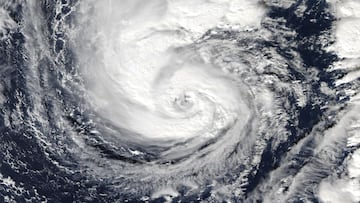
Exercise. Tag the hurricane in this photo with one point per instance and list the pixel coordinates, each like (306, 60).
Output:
(180, 101)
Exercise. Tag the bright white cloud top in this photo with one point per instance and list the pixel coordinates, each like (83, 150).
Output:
(139, 77)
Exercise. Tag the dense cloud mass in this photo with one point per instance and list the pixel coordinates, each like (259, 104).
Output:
(180, 101)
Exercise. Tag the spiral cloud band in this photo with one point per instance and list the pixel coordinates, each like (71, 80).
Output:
(179, 101)
(142, 66)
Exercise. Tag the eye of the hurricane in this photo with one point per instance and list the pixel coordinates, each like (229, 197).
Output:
(184, 102)
(190, 101)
